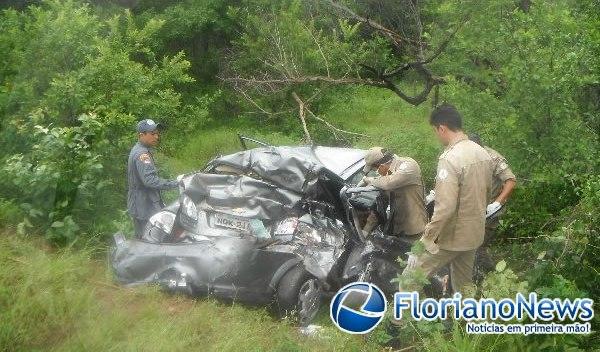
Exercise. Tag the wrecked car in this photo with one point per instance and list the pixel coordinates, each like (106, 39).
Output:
(270, 225)
(262, 225)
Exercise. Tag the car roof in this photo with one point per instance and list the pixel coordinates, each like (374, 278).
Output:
(343, 162)
(293, 166)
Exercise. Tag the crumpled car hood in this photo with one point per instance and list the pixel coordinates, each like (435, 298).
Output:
(293, 168)
(239, 195)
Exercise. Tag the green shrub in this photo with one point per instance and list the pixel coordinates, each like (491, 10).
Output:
(74, 85)
(10, 213)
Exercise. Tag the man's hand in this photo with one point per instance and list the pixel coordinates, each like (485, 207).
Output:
(367, 180)
(492, 208)
(430, 246)
(430, 197)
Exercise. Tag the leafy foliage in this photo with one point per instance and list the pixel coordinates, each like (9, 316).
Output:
(77, 75)
(74, 85)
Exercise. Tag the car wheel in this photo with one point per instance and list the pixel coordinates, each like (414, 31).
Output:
(299, 294)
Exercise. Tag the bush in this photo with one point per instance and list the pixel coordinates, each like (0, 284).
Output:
(10, 213)
(74, 86)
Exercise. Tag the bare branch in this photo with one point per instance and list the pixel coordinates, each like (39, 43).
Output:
(303, 107)
(320, 49)
(247, 97)
(332, 127)
(282, 69)
(301, 114)
(306, 79)
(430, 82)
(395, 37)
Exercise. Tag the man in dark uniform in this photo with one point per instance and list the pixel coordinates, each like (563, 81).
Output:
(144, 184)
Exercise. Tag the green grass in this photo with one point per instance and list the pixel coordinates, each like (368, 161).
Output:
(381, 115)
(65, 301)
(389, 122)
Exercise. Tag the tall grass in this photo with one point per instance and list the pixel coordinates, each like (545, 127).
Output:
(382, 116)
(389, 122)
(203, 145)
(65, 301)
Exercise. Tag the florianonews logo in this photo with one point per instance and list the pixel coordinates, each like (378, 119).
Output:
(358, 307)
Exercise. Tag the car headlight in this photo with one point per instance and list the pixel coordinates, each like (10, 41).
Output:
(164, 220)
(188, 207)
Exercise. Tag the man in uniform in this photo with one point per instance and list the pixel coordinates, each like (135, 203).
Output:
(144, 184)
(401, 178)
(503, 183)
(462, 190)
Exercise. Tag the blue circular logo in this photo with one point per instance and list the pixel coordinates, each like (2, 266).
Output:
(358, 307)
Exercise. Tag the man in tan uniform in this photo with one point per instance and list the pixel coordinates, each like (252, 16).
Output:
(401, 179)
(503, 184)
(462, 189)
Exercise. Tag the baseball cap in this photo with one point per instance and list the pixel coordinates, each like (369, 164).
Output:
(374, 157)
(148, 125)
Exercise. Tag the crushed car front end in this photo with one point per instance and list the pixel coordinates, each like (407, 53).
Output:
(248, 223)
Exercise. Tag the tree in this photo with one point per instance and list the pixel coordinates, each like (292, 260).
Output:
(74, 86)
(382, 44)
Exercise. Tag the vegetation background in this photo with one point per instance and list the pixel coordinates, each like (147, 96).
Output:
(76, 76)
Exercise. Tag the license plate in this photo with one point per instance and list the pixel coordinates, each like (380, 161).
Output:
(231, 222)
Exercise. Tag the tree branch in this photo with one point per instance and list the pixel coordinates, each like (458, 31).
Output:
(301, 114)
(332, 127)
(305, 79)
(395, 38)
(304, 107)
(430, 82)
(440, 49)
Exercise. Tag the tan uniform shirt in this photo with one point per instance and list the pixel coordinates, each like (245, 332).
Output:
(462, 190)
(407, 204)
(500, 171)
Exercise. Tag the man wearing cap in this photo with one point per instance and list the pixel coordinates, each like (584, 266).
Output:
(144, 184)
(503, 184)
(462, 190)
(401, 178)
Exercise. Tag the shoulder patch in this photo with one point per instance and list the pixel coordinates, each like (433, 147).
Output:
(503, 165)
(403, 166)
(145, 158)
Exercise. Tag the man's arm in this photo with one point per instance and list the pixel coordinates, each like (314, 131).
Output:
(446, 201)
(404, 175)
(149, 174)
(507, 189)
(505, 174)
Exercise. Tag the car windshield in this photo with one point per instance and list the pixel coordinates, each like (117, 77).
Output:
(355, 179)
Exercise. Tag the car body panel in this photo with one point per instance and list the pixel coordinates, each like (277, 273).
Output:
(344, 162)
(265, 186)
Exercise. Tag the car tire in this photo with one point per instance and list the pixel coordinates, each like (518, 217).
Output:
(299, 295)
